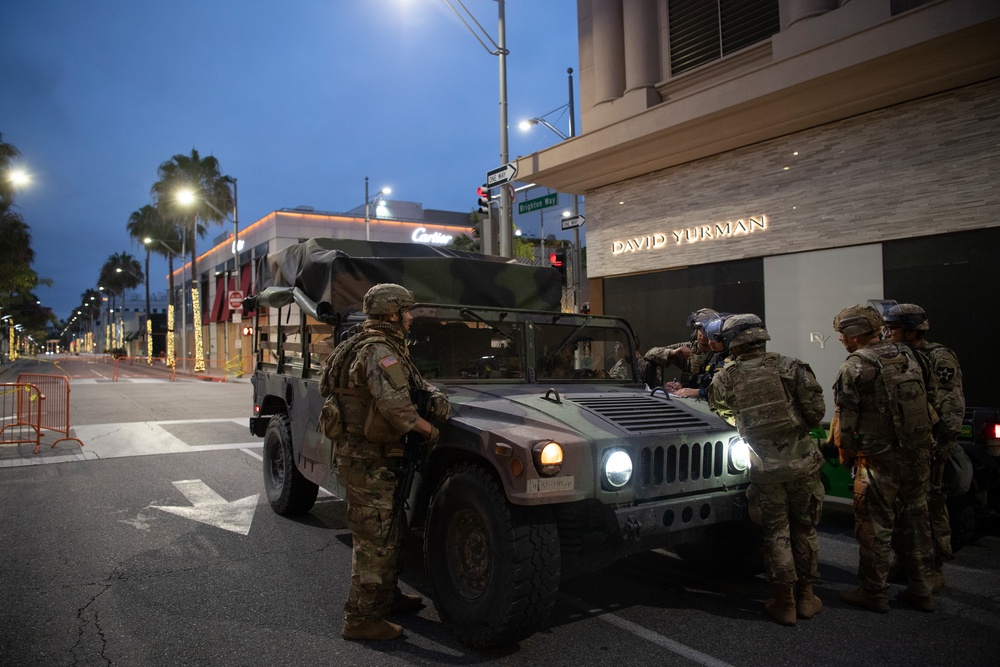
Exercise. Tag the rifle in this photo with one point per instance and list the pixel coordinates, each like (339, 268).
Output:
(413, 458)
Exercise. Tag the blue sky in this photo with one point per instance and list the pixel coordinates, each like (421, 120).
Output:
(299, 100)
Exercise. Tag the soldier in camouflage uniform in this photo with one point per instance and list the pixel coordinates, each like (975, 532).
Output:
(908, 323)
(774, 401)
(688, 356)
(370, 380)
(889, 469)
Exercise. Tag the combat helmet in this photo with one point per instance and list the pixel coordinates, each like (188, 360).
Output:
(857, 320)
(743, 329)
(713, 326)
(698, 318)
(910, 316)
(387, 299)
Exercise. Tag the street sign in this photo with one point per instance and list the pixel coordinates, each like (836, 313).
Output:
(574, 222)
(501, 175)
(537, 203)
(235, 299)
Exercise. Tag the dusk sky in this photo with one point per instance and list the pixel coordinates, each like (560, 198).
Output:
(298, 100)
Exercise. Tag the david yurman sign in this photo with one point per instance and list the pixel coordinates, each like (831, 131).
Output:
(662, 240)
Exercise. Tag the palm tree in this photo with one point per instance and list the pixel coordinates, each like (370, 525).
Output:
(143, 224)
(7, 153)
(211, 190)
(120, 272)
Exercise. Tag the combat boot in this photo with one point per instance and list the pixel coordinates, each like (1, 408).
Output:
(938, 584)
(922, 603)
(375, 630)
(403, 603)
(782, 607)
(859, 597)
(806, 603)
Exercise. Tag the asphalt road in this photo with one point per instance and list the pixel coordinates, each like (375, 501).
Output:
(153, 545)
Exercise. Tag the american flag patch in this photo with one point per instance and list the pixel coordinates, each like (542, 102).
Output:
(389, 361)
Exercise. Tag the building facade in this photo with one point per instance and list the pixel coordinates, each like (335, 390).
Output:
(790, 158)
(219, 276)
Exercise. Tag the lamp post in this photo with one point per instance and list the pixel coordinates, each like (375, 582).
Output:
(368, 202)
(525, 125)
(499, 50)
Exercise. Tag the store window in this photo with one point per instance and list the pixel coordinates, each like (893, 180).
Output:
(658, 304)
(954, 278)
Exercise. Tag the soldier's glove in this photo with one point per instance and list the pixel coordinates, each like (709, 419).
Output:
(439, 408)
(432, 439)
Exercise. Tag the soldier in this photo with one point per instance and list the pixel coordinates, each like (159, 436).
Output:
(370, 383)
(774, 401)
(696, 386)
(893, 460)
(908, 323)
(689, 355)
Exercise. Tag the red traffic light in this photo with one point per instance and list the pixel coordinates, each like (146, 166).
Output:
(556, 258)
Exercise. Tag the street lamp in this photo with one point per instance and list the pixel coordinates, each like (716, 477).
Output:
(526, 125)
(18, 177)
(500, 50)
(368, 202)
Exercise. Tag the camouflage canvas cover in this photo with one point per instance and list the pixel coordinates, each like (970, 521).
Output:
(340, 271)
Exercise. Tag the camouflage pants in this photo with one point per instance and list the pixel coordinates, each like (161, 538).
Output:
(788, 513)
(375, 555)
(896, 478)
(937, 507)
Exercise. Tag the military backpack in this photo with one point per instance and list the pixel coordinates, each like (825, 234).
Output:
(765, 409)
(905, 396)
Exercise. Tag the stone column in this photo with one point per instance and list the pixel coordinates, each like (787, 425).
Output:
(642, 61)
(793, 11)
(609, 50)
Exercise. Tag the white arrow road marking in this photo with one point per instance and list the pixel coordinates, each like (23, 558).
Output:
(212, 509)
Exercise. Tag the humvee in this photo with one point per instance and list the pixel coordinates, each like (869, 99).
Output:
(556, 460)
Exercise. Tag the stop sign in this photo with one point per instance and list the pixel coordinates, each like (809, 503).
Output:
(235, 299)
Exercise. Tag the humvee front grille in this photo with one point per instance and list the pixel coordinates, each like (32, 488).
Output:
(681, 463)
(641, 414)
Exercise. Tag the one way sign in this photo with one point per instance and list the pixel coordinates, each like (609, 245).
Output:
(501, 175)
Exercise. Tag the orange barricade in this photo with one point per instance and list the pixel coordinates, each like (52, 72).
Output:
(54, 404)
(21, 414)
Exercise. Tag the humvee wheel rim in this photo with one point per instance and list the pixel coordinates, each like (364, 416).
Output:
(277, 466)
(468, 549)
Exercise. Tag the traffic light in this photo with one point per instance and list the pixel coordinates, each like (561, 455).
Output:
(557, 258)
(484, 199)
(248, 330)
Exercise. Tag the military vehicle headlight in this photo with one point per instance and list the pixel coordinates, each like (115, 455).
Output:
(739, 455)
(548, 457)
(617, 468)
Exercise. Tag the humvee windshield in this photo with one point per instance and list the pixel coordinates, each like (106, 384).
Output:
(485, 344)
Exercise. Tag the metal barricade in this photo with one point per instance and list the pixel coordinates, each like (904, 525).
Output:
(20, 414)
(54, 415)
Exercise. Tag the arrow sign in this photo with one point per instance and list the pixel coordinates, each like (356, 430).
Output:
(501, 175)
(573, 222)
(212, 509)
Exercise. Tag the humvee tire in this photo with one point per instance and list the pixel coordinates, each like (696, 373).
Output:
(287, 490)
(493, 568)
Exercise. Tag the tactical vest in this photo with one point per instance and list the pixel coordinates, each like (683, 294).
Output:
(902, 411)
(765, 408)
(345, 409)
